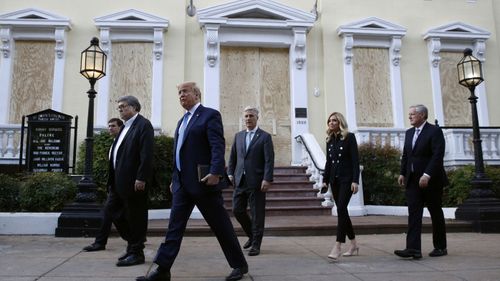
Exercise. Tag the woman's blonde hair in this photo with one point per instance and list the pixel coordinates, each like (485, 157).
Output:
(342, 124)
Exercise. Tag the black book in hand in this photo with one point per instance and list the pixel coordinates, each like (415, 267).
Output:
(203, 171)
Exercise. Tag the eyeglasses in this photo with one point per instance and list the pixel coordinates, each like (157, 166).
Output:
(122, 106)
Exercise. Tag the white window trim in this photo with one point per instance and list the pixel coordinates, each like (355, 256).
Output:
(31, 24)
(132, 26)
(456, 37)
(376, 33)
(284, 27)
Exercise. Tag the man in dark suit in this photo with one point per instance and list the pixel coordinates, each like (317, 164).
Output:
(199, 142)
(423, 174)
(130, 168)
(101, 239)
(252, 164)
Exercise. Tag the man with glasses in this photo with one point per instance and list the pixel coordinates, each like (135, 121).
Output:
(130, 167)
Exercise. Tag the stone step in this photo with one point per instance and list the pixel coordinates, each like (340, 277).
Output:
(290, 170)
(293, 211)
(281, 192)
(290, 177)
(285, 201)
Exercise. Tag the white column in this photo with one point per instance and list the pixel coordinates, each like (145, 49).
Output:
(298, 90)
(211, 75)
(58, 82)
(482, 108)
(6, 48)
(434, 48)
(350, 100)
(156, 95)
(396, 89)
(101, 118)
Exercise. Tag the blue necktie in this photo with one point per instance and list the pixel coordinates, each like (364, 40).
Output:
(180, 138)
(248, 139)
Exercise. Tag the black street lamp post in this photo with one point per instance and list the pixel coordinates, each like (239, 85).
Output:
(92, 67)
(481, 207)
(82, 218)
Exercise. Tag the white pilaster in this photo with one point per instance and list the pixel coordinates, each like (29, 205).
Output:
(350, 98)
(298, 90)
(396, 88)
(5, 73)
(58, 80)
(157, 83)
(434, 47)
(211, 92)
(103, 86)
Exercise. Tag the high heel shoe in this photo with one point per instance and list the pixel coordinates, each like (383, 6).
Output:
(353, 251)
(334, 254)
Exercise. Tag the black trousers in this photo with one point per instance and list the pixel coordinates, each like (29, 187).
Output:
(130, 217)
(342, 194)
(253, 225)
(107, 219)
(211, 206)
(416, 198)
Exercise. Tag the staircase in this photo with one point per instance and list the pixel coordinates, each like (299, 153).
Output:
(290, 195)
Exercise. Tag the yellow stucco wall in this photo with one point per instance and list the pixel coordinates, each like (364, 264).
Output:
(184, 57)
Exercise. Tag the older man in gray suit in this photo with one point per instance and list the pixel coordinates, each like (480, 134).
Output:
(251, 167)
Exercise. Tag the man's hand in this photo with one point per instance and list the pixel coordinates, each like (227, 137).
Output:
(354, 188)
(265, 186)
(401, 180)
(170, 187)
(424, 181)
(231, 178)
(139, 185)
(211, 179)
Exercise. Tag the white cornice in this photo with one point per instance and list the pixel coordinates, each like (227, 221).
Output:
(372, 26)
(255, 13)
(131, 19)
(34, 18)
(457, 31)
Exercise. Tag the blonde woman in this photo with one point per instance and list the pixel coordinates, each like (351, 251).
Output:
(342, 174)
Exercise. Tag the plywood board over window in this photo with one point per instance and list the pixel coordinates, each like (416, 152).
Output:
(456, 106)
(132, 65)
(372, 87)
(33, 75)
(258, 77)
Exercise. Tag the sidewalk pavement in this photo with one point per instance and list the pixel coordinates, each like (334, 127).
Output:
(471, 256)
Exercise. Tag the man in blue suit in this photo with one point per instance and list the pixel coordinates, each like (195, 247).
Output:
(199, 142)
(422, 173)
(251, 168)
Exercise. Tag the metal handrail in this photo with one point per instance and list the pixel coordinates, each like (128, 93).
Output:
(299, 139)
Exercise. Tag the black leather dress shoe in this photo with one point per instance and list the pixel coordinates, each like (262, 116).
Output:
(94, 247)
(254, 251)
(438, 253)
(237, 273)
(122, 257)
(155, 275)
(408, 253)
(248, 244)
(131, 259)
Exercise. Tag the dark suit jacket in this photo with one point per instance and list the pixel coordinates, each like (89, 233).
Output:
(134, 158)
(426, 156)
(257, 161)
(203, 144)
(342, 160)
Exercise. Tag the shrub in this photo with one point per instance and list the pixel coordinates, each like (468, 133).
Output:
(46, 192)
(159, 192)
(381, 166)
(102, 144)
(460, 184)
(9, 193)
